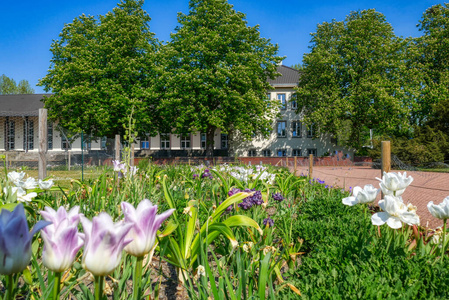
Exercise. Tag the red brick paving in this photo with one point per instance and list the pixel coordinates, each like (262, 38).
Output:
(426, 186)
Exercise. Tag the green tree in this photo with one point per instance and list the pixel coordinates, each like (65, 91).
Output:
(434, 58)
(357, 77)
(216, 73)
(102, 72)
(8, 86)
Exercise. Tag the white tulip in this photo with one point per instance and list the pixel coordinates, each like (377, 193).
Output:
(394, 183)
(394, 213)
(366, 195)
(440, 211)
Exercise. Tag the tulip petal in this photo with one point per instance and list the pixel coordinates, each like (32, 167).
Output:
(380, 218)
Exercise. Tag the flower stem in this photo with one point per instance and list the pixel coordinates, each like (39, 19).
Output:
(98, 287)
(137, 278)
(57, 286)
(443, 250)
(10, 287)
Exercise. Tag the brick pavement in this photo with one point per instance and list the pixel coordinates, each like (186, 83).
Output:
(426, 186)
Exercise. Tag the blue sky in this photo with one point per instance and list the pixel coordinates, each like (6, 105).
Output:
(27, 27)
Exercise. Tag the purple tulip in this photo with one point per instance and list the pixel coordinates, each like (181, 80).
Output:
(145, 223)
(103, 244)
(62, 240)
(15, 240)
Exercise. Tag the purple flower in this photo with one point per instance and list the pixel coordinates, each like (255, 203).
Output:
(104, 243)
(233, 191)
(277, 197)
(195, 176)
(145, 223)
(268, 222)
(15, 240)
(207, 174)
(61, 239)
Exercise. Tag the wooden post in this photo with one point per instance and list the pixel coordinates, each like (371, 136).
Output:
(42, 165)
(117, 147)
(385, 157)
(286, 161)
(310, 166)
(131, 156)
(69, 160)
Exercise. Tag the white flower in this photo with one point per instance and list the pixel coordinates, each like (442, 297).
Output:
(201, 271)
(394, 183)
(366, 195)
(24, 197)
(16, 177)
(440, 211)
(13, 190)
(394, 213)
(45, 185)
(28, 184)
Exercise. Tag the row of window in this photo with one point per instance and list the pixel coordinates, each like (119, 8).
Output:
(282, 98)
(185, 141)
(295, 129)
(283, 152)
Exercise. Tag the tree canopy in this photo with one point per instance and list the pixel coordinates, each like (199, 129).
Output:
(434, 58)
(102, 72)
(216, 71)
(8, 86)
(358, 76)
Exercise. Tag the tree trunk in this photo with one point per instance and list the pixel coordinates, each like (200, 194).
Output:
(210, 134)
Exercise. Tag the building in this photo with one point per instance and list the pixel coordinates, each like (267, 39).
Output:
(289, 137)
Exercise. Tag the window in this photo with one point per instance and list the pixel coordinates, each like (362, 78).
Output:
(50, 136)
(311, 151)
(203, 138)
(296, 129)
(266, 152)
(252, 152)
(310, 131)
(281, 128)
(296, 152)
(268, 99)
(224, 141)
(103, 141)
(281, 98)
(65, 142)
(145, 143)
(293, 101)
(165, 140)
(185, 140)
(282, 152)
(28, 134)
(87, 143)
(10, 130)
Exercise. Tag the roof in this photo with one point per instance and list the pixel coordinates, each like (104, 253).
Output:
(21, 105)
(289, 77)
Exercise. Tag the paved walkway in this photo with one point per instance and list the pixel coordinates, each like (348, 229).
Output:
(426, 186)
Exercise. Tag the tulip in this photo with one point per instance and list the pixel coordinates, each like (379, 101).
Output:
(103, 244)
(440, 211)
(24, 197)
(61, 242)
(145, 223)
(15, 240)
(366, 195)
(394, 213)
(16, 177)
(45, 185)
(61, 239)
(28, 184)
(394, 183)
